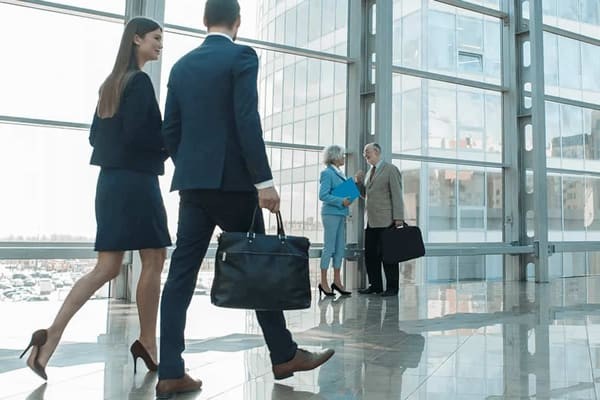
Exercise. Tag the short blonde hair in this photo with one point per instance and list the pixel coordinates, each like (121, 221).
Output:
(332, 154)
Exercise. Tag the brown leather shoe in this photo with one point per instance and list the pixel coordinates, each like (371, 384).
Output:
(166, 388)
(302, 361)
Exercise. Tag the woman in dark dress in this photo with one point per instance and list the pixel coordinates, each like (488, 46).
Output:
(130, 214)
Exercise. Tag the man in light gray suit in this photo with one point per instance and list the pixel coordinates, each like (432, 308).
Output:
(382, 190)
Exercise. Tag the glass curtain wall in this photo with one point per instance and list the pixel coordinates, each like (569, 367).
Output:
(572, 86)
(49, 93)
(447, 119)
(446, 137)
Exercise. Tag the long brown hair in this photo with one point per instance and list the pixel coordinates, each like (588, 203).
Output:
(125, 67)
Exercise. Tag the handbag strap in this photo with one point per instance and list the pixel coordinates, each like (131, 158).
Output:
(280, 230)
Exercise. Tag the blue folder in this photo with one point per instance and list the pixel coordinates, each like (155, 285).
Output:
(347, 189)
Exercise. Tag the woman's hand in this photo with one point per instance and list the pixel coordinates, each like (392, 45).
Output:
(346, 202)
(359, 176)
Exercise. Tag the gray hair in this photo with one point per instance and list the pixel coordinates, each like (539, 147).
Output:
(374, 146)
(332, 153)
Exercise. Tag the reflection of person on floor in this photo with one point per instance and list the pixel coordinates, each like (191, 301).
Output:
(334, 381)
(394, 349)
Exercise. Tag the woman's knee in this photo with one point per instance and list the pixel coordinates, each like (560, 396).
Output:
(153, 258)
(107, 271)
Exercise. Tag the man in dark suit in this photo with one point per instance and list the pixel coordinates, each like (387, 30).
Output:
(212, 132)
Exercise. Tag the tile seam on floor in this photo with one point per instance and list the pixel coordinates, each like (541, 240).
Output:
(589, 347)
(440, 366)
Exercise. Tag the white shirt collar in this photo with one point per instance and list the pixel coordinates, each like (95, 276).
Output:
(378, 163)
(219, 34)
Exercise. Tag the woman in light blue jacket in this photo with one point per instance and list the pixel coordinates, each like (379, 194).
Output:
(333, 214)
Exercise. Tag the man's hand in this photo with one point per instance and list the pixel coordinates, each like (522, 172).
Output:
(398, 222)
(269, 199)
(346, 202)
(359, 176)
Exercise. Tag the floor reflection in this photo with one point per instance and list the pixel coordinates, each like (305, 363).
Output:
(472, 340)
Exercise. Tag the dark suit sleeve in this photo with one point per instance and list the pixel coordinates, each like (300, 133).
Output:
(247, 120)
(171, 130)
(138, 100)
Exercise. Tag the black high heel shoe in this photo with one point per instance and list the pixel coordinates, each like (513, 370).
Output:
(139, 351)
(38, 339)
(335, 287)
(321, 290)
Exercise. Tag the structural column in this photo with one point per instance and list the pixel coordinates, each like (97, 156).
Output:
(533, 203)
(354, 274)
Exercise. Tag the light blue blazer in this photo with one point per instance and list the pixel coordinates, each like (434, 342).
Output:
(332, 205)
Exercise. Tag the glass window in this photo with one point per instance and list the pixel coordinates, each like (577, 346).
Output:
(51, 198)
(290, 27)
(590, 64)
(458, 122)
(459, 203)
(592, 208)
(550, 63)
(554, 207)
(48, 281)
(300, 23)
(455, 42)
(568, 9)
(470, 62)
(441, 43)
(573, 195)
(470, 33)
(61, 81)
(569, 63)
(571, 126)
(111, 6)
(553, 143)
(590, 12)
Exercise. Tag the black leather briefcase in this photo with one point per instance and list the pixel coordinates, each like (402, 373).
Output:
(261, 272)
(402, 243)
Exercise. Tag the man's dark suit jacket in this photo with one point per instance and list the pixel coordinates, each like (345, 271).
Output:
(212, 128)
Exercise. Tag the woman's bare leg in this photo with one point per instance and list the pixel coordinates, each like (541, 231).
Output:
(107, 268)
(147, 296)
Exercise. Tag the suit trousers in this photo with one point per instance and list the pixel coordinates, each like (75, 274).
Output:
(374, 260)
(200, 211)
(334, 246)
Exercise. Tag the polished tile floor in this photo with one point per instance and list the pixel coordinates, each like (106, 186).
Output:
(473, 340)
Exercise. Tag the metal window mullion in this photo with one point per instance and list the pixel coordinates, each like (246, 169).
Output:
(475, 8)
(67, 10)
(447, 79)
(571, 102)
(293, 146)
(571, 35)
(576, 172)
(260, 44)
(75, 126)
(442, 160)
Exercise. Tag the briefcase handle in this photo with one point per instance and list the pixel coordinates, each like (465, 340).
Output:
(280, 231)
